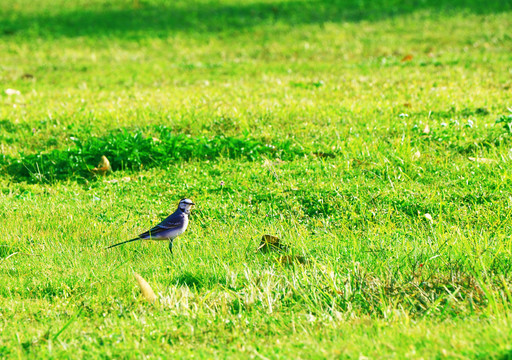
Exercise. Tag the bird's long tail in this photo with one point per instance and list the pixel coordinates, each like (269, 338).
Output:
(124, 242)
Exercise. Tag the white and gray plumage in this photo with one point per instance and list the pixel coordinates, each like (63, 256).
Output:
(173, 226)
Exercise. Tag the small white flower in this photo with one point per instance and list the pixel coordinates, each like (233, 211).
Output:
(12, 92)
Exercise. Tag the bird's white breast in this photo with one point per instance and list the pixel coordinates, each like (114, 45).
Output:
(182, 229)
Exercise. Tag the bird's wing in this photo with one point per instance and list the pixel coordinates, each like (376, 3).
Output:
(173, 221)
(154, 232)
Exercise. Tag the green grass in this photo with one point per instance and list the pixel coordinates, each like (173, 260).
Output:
(314, 121)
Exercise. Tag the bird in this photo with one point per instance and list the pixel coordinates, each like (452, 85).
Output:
(173, 226)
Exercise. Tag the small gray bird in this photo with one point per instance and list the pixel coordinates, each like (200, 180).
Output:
(173, 226)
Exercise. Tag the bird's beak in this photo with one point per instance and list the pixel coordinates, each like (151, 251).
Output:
(192, 204)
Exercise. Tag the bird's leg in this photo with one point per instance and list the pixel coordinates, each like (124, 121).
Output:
(170, 246)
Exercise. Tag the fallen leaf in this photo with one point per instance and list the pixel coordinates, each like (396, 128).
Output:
(271, 243)
(482, 160)
(12, 92)
(291, 259)
(27, 76)
(426, 130)
(407, 57)
(103, 167)
(145, 289)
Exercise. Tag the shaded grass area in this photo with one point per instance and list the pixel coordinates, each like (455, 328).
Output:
(132, 151)
(159, 18)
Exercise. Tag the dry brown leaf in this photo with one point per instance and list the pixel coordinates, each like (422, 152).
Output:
(146, 290)
(103, 167)
(407, 57)
(271, 243)
(482, 160)
(291, 259)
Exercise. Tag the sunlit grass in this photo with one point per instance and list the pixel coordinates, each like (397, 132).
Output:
(373, 138)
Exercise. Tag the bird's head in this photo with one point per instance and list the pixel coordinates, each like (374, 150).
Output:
(185, 205)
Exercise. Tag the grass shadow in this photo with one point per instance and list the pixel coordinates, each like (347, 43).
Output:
(134, 150)
(160, 18)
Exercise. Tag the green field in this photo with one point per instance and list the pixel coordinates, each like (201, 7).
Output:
(374, 138)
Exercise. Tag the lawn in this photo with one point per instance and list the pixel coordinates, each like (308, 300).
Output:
(373, 138)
